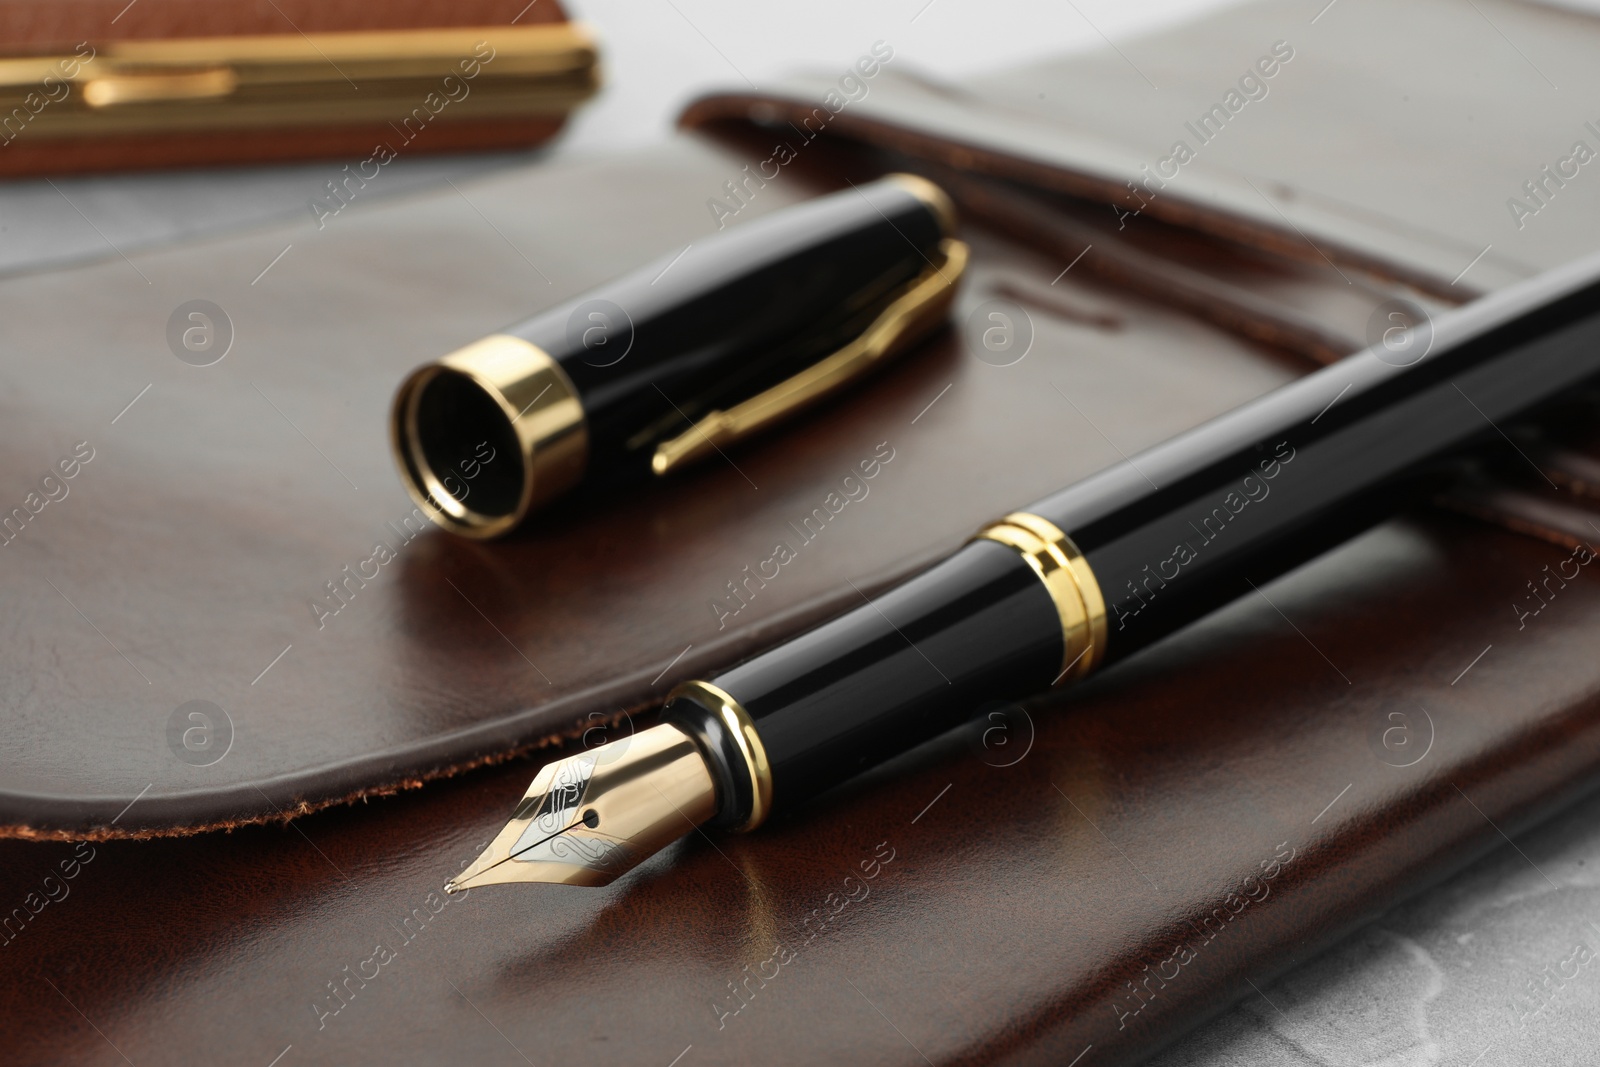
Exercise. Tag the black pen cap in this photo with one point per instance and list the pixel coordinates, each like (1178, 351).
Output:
(665, 365)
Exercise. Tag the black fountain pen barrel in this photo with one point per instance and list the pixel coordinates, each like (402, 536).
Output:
(1196, 521)
(879, 679)
(1102, 569)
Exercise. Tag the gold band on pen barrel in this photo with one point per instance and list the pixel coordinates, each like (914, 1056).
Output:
(1067, 578)
(742, 728)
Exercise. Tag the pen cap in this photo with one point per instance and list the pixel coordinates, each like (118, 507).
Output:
(662, 366)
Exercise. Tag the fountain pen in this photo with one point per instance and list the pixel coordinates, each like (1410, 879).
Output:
(1081, 579)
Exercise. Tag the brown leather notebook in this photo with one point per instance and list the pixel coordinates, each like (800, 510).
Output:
(1135, 853)
(111, 85)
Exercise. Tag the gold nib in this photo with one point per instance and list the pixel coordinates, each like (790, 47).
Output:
(589, 818)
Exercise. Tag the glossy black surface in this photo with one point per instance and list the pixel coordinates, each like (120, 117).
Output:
(1190, 524)
(1248, 495)
(909, 665)
(738, 311)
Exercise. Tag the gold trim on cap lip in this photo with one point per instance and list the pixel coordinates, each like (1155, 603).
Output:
(1068, 579)
(922, 305)
(937, 199)
(743, 728)
(540, 404)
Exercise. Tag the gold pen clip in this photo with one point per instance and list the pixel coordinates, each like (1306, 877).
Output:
(921, 305)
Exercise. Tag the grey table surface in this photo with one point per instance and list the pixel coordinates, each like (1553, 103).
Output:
(1494, 968)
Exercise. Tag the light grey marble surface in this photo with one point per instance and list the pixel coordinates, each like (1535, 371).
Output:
(59, 222)
(1497, 967)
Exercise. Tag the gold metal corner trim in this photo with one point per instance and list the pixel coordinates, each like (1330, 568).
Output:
(540, 404)
(743, 729)
(116, 90)
(922, 305)
(937, 199)
(1068, 579)
(190, 84)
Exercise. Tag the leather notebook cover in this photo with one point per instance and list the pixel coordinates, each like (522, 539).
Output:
(1138, 850)
(80, 28)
